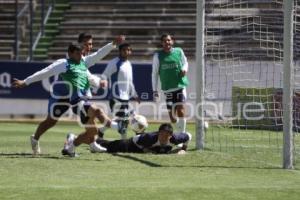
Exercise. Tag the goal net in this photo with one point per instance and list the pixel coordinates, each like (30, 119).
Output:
(244, 79)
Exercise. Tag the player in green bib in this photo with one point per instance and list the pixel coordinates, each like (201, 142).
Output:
(74, 86)
(170, 66)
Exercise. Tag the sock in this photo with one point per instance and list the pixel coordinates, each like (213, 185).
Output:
(34, 140)
(102, 129)
(181, 124)
(114, 125)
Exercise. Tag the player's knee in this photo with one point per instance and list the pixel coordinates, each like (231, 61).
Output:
(91, 133)
(180, 111)
(96, 111)
(99, 112)
(173, 120)
(91, 112)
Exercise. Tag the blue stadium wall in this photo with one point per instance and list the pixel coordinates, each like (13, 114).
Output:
(40, 90)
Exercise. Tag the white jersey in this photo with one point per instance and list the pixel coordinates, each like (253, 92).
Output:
(119, 74)
(60, 66)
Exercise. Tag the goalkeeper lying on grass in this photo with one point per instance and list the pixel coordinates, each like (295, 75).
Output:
(160, 142)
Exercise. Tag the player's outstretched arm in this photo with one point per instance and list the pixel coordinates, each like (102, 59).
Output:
(181, 140)
(55, 68)
(96, 81)
(137, 99)
(93, 58)
(18, 83)
(119, 40)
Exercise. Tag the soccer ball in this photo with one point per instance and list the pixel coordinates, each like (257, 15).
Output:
(138, 123)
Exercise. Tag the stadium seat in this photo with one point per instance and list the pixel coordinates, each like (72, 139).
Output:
(144, 21)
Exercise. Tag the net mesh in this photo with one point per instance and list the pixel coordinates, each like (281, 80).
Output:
(244, 78)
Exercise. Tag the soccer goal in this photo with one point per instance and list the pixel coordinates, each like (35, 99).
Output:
(248, 64)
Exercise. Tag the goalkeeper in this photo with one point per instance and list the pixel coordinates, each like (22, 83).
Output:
(160, 142)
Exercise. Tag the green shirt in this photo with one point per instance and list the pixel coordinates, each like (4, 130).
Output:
(170, 67)
(76, 75)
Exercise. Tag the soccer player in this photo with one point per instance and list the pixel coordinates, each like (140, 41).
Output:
(119, 74)
(160, 142)
(170, 66)
(74, 72)
(86, 41)
(58, 106)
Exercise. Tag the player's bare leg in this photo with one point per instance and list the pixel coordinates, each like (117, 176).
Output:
(91, 131)
(172, 116)
(48, 123)
(88, 136)
(107, 122)
(180, 110)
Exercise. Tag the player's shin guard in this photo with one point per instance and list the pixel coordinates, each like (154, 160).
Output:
(114, 125)
(181, 124)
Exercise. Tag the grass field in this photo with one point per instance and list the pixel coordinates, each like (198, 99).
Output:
(217, 173)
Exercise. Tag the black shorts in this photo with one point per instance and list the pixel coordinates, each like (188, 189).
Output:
(57, 107)
(174, 98)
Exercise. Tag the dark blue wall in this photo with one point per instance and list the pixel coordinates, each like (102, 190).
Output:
(20, 70)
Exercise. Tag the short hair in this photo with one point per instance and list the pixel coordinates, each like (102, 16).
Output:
(83, 37)
(166, 127)
(123, 45)
(74, 47)
(165, 35)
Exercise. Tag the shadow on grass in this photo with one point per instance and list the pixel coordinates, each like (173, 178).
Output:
(146, 162)
(45, 156)
(136, 159)
(28, 155)
(153, 164)
(15, 154)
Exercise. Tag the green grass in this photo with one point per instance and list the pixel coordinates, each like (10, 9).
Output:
(234, 171)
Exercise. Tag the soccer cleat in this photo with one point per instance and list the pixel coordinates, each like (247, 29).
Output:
(35, 145)
(96, 148)
(69, 148)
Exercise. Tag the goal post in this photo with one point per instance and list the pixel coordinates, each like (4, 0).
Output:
(200, 76)
(288, 89)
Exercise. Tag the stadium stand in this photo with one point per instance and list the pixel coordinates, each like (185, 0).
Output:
(7, 27)
(144, 21)
(141, 21)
